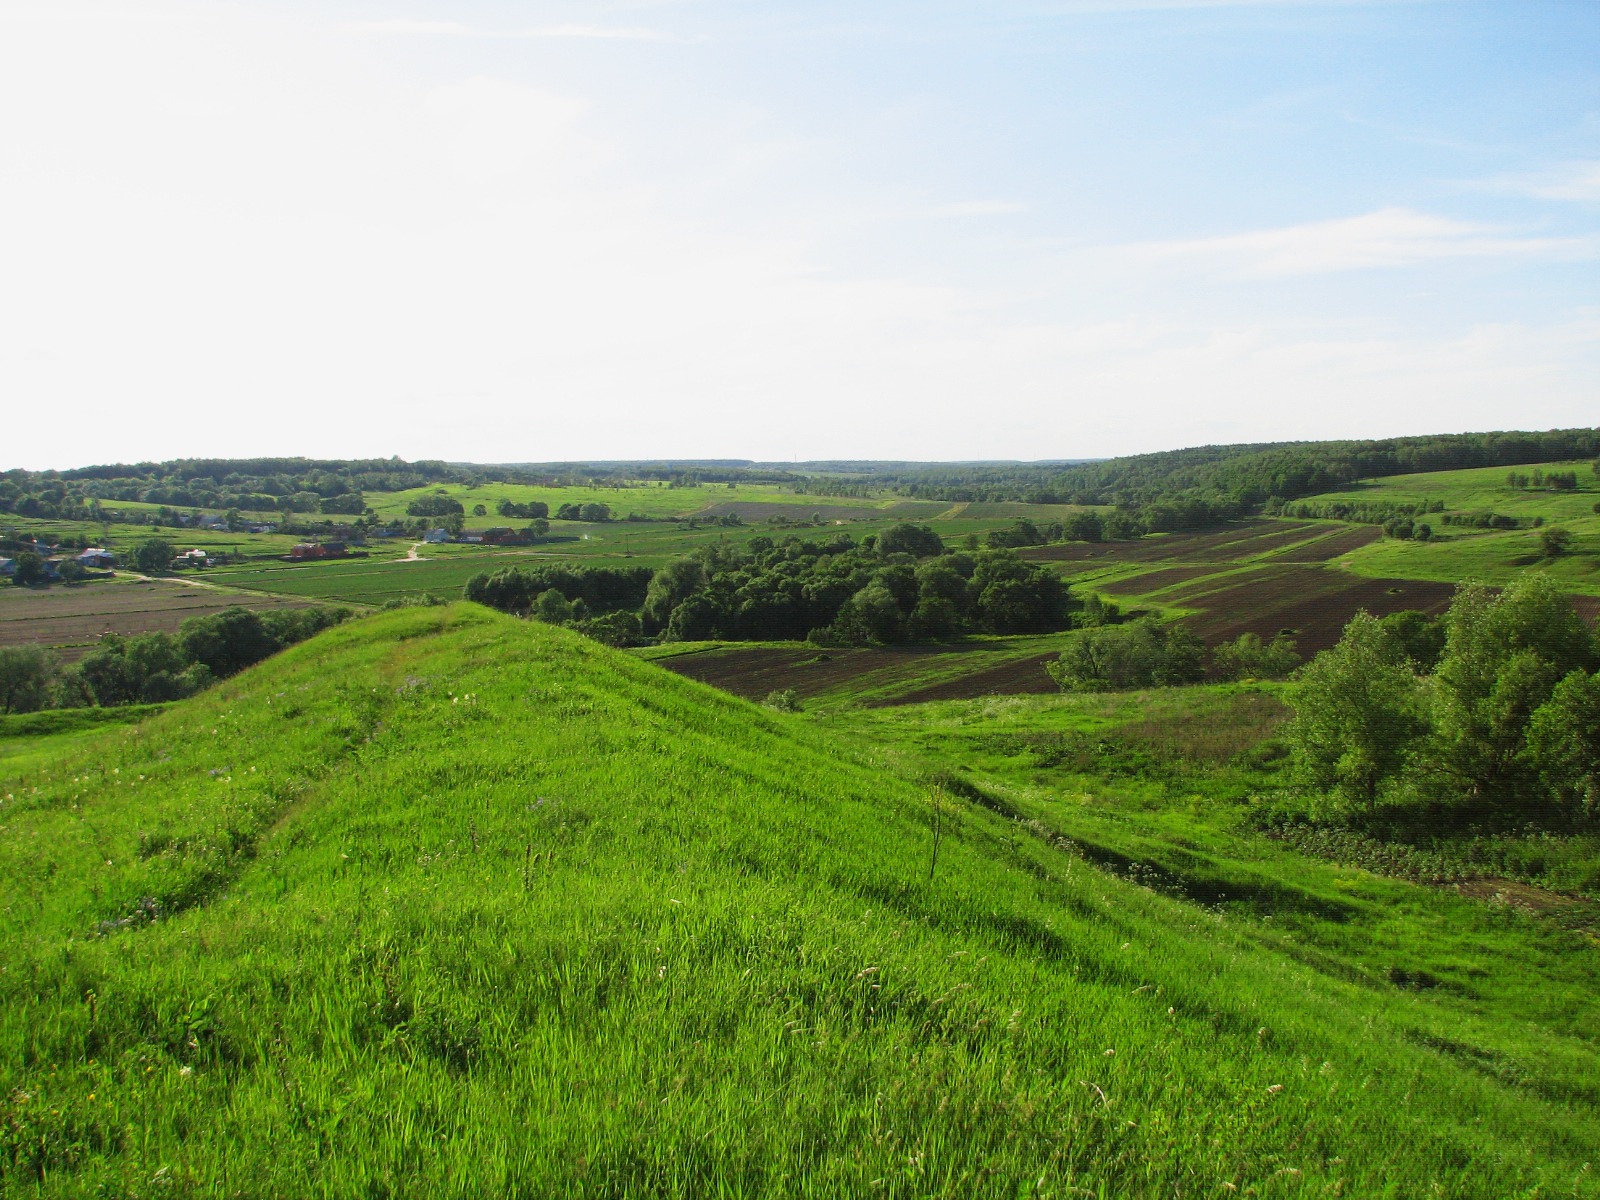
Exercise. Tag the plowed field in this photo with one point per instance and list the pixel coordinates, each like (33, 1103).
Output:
(1329, 548)
(71, 619)
(892, 675)
(1312, 603)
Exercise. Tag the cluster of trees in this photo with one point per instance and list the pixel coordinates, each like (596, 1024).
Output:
(1150, 653)
(436, 504)
(1482, 520)
(584, 512)
(1555, 481)
(1493, 711)
(1078, 527)
(151, 668)
(1362, 512)
(1407, 530)
(897, 587)
(533, 510)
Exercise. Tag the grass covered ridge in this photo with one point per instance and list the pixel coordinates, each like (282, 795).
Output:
(445, 903)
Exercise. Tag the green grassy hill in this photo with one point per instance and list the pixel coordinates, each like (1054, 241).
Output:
(442, 903)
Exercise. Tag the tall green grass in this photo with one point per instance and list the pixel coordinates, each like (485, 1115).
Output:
(443, 903)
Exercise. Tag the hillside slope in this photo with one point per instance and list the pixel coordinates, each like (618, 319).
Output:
(443, 903)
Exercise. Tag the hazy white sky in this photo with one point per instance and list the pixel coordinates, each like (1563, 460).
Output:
(511, 230)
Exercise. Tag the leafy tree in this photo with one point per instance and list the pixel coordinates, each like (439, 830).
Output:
(26, 674)
(1554, 541)
(693, 620)
(30, 569)
(1358, 712)
(153, 555)
(919, 541)
(552, 607)
(669, 587)
(1420, 636)
(594, 512)
(1504, 655)
(1248, 657)
(229, 641)
(480, 510)
(1564, 742)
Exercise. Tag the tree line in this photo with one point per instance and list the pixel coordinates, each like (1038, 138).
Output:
(902, 585)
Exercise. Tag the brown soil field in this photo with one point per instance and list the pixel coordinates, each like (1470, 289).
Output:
(758, 670)
(1019, 677)
(1037, 513)
(1256, 542)
(1200, 547)
(917, 509)
(1329, 548)
(755, 511)
(1314, 602)
(1154, 581)
(72, 618)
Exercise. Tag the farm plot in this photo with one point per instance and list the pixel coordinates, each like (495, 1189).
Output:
(365, 582)
(1334, 546)
(1313, 604)
(1243, 539)
(754, 511)
(1151, 582)
(71, 619)
(875, 677)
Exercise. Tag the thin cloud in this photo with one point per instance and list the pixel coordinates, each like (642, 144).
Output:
(978, 208)
(1390, 237)
(631, 33)
(1579, 181)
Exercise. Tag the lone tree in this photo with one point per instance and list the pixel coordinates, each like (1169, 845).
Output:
(1357, 712)
(26, 673)
(154, 554)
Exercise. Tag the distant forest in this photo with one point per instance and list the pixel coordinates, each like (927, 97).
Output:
(1170, 490)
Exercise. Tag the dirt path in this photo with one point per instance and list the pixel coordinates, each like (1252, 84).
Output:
(412, 555)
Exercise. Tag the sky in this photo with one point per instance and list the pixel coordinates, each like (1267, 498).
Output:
(518, 230)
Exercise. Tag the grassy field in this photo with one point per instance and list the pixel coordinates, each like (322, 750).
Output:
(30, 740)
(68, 620)
(650, 499)
(1480, 490)
(444, 903)
(1493, 556)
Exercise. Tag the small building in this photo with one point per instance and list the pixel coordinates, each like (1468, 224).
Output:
(315, 551)
(96, 556)
(436, 536)
(8, 567)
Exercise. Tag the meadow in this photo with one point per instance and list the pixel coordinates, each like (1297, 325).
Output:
(651, 499)
(445, 903)
(1494, 556)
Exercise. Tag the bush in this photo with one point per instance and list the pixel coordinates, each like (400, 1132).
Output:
(1248, 657)
(1144, 653)
(785, 700)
